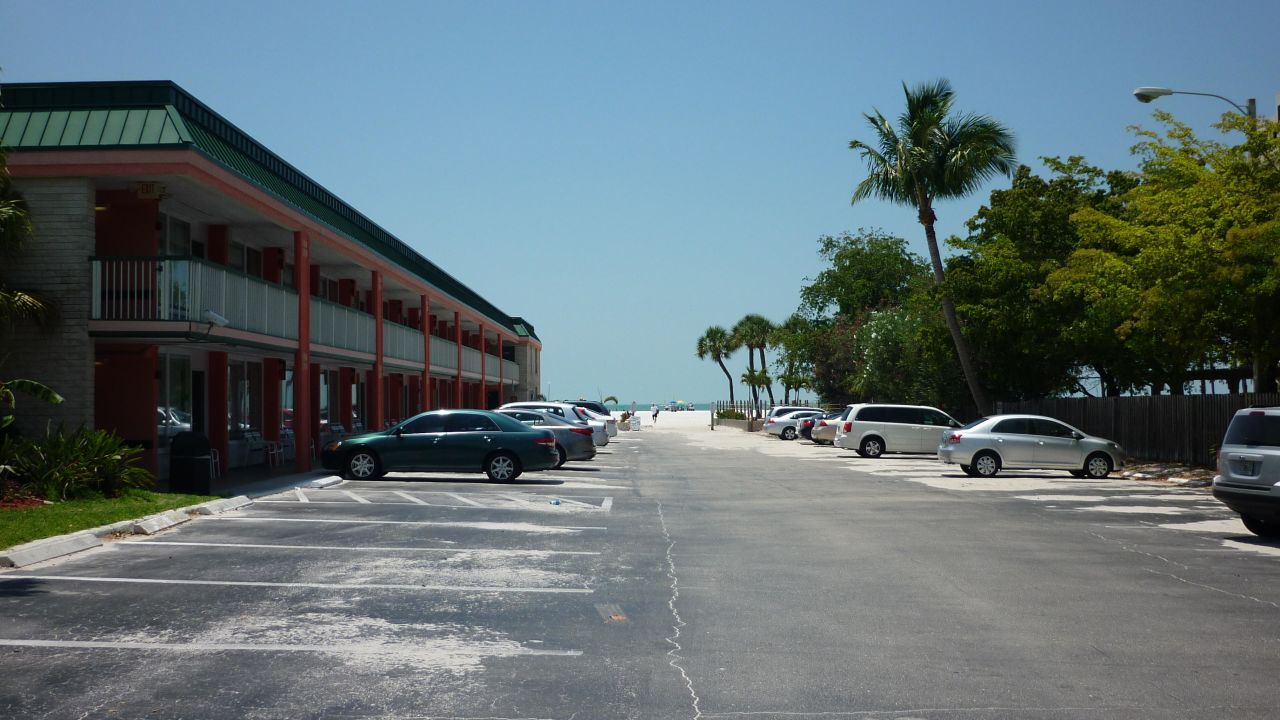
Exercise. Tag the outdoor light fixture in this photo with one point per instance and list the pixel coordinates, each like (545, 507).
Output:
(214, 318)
(1147, 94)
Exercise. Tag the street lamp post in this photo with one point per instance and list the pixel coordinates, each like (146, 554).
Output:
(1147, 94)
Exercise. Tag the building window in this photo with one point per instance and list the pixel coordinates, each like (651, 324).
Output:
(173, 399)
(253, 261)
(244, 398)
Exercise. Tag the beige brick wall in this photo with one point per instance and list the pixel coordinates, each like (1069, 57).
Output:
(55, 264)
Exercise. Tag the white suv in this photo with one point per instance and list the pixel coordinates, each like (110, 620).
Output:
(1248, 478)
(874, 430)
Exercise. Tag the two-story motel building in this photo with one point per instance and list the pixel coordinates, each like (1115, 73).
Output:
(203, 283)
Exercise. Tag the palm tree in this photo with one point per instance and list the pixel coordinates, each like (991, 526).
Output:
(716, 343)
(933, 155)
(753, 332)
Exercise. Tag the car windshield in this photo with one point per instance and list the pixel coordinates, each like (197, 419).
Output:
(1255, 430)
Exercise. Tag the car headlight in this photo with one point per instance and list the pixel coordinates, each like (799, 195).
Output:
(333, 446)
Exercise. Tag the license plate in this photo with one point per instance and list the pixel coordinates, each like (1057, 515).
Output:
(1248, 467)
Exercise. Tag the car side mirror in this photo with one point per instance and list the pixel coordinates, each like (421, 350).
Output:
(399, 432)
(1077, 436)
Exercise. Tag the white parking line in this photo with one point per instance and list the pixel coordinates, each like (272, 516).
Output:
(516, 527)
(411, 498)
(468, 501)
(344, 649)
(301, 495)
(518, 501)
(355, 497)
(485, 551)
(314, 586)
(607, 504)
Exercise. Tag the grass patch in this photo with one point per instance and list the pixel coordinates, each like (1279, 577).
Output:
(24, 524)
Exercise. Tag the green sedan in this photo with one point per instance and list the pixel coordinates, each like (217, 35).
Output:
(445, 440)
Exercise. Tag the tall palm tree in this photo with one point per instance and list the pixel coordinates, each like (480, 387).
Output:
(935, 155)
(716, 343)
(752, 331)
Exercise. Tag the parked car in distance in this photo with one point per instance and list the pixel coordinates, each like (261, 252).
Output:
(610, 422)
(573, 440)
(591, 405)
(570, 412)
(780, 410)
(445, 440)
(1248, 478)
(824, 428)
(873, 429)
(983, 447)
(787, 426)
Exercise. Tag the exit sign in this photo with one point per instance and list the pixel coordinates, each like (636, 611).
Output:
(149, 190)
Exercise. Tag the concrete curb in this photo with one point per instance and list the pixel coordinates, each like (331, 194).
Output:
(55, 547)
(324, 482)
(40, 550)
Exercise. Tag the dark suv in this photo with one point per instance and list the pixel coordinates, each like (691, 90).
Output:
(1248, 478)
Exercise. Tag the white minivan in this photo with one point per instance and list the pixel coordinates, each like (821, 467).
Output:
(875, 429)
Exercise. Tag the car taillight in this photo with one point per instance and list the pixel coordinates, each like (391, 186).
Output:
(822, 423)
(848, 427)
(953, 438)
(544, 441)
(580, 431)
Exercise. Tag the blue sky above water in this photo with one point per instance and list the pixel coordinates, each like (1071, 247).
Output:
(625, 175)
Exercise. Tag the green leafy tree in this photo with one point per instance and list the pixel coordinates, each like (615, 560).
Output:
(868, 270)
(934, 154)
(1030, 341)
(793, 341)
(717, 344)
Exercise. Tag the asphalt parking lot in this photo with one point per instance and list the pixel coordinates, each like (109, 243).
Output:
(414, 596)
(682, 574)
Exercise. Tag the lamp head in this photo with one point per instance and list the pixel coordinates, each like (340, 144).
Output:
(1147, 94)
(214, 318)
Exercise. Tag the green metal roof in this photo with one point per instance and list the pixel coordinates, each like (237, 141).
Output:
(160, 114)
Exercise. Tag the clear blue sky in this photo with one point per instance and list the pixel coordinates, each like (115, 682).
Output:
(626, 174)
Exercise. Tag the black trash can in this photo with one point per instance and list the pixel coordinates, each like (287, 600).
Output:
(190, 464)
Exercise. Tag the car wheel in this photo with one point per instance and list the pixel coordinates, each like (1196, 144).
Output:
(986, 465)
(1097, 466)
(502, 467)
(968, 470)
(561, 455)
(788, 433)
(872, 447)
(363, 465)
(1260, 527)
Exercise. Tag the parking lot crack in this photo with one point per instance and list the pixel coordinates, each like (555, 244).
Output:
(677, 623)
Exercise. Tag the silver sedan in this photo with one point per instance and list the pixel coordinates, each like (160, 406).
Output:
(573, 441)
(788, 426)
(984, 446)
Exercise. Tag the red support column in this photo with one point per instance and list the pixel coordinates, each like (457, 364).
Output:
(217, 420)
(502, 374)
(395, 387)
(302, 358)
(484, 374)
(346, 378)
(377, 411)
(425, 325)
(457, 338)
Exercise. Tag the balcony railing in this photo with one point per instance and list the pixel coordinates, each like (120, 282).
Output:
(470, 360)
(444, 353)
(400, 342)
(511, 371)
(341, 327)
(187, 289)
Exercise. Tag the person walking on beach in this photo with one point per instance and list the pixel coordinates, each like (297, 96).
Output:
(655, 414)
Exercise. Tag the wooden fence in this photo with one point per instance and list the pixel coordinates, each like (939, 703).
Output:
(1167, 428)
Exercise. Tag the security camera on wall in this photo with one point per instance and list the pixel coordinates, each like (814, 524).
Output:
(214, 318)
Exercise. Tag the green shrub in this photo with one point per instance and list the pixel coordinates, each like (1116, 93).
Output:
(731, 415)
(61, 466)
